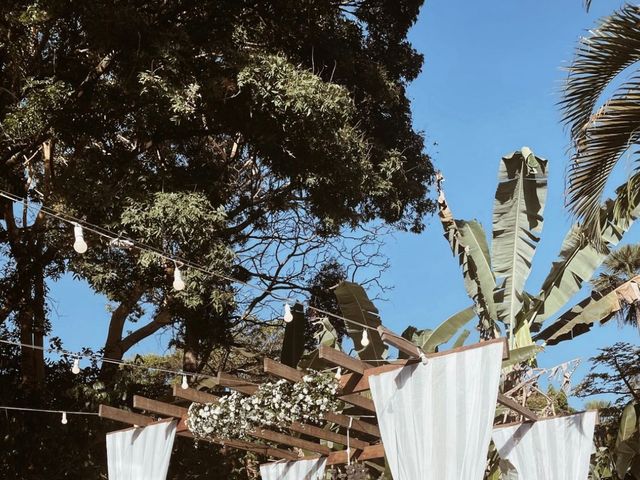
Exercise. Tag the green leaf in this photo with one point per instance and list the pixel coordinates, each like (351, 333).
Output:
(418, 337)
(517, 223)
(293, 342)
(326, 336)
(447, 329)
(355, 305)
(628, 423)
(468, 241)
(462, 338)
(579, 319)
(522, 354)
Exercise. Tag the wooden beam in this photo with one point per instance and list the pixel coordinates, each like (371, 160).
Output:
(340, 457)
(162, 408)
(513, 424)
(341, 359)
(239, 384)
(105, 411)
(194, 395)
(283, 371)
(402, 344)
(278, 437)
(356, 424)
(363, 383)
(511, 404)
(323, 434)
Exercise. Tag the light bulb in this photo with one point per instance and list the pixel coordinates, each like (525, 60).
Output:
(79, 245)
(288, 316)
(185, 383)
(339, 374)
(64, 418)
(365, 338)
(178, 283)
(76, 366)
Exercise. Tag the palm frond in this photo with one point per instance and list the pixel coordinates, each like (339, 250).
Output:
(606, 137)
(608, 50)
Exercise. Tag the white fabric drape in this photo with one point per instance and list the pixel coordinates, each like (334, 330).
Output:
(299, 470)
(436, 419)
(552, 449)
(141, 453)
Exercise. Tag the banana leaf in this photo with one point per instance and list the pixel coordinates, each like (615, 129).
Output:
(418, 337)
(522, 354)
(517, 223)
(447, 329)
(326, 336)
(462, 338)
(355, 305)
(580, 318)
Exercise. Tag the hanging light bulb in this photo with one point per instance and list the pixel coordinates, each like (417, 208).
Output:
(288, 316)
(185, 383)
(178, 283)
(64, 418)
(339, 374)
(76, 367)
(365, 338)
(79, 245)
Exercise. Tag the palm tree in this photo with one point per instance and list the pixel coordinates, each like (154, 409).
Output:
(619, 267)
(601, 136)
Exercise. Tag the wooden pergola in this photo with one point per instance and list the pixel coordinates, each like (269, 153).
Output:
(359, 431)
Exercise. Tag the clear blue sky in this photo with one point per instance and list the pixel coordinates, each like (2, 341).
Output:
(490, 85)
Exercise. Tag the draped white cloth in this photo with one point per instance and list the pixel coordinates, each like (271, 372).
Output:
(551, 449)
(436, 419)
(141, 453)
(298, 470)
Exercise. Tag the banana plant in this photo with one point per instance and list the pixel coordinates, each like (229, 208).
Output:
(496, 282)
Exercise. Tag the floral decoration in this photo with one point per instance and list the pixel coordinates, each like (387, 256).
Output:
(275, 404)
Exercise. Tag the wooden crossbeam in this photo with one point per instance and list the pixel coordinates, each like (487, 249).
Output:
(239, 384)
(341, 359)
(368, 453)
(155, 406)
(323, 434)
(402, 344)
(123, 416)
(511, 404)
(283, 371)
(194, 395)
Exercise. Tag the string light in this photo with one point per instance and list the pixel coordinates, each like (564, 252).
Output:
(64, 418)
(116, 240)
(178, 283)
(42, 410)
(185, 383)
(76, 366)
(288, 316)
(79, 245)
(339, 373)
(365, 338)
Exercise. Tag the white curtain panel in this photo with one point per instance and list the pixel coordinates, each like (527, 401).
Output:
(436, 419)
(141, 453)
(552, 449)
(298, 470)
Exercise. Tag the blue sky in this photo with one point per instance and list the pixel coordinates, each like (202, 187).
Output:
(490, 85)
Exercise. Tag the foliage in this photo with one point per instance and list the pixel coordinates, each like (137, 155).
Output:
(275, 404)
(600, 135)
(616, 372)
(505, 305)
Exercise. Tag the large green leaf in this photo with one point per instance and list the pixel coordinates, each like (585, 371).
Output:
(293, 341)
(517, 223)
(522, 354)
(580, 319)
(447, 329)
(326, 336)
(628, 423)
(418, 337)
(355, 305)
(468, 242)
(462, 338)
(578, 261)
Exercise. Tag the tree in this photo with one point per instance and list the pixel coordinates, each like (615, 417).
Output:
(620, 267)
(601, 135)
(242, 136)
(496, 282)
(616, 373)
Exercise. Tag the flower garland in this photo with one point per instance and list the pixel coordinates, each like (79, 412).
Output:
(275, 404)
